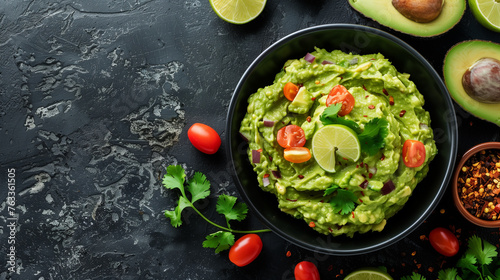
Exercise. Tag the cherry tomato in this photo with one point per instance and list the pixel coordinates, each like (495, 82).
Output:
(444, 241)
(291, 136)
(246, 249)
(339, 94)
(305, 270)
(413, 153)
(290, 90)
(204, 138)
(297, 154)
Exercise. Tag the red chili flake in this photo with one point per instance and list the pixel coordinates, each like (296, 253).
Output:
(341, 78)
(259, 150)
(391, 100)
(364, 176)
(288, 254)
(301, 176)
(365, 116)
(313, 98)
(385, 92)
(292, 200)
(266, 175)
(402, 113)
(364, 87)
(367, 96)
(371, 106)
(312, 224)
(308, 119)
(357, 165)
(370, 175)
(330, 267)
(360, 200)
(344, 158)
(270, 158)
(362, 164)
(362, 193)
(383, 157)
(353, 214)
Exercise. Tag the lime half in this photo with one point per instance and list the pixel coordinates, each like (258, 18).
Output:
(334, 139)
(238, 11)
(487, 12)
(368, 274)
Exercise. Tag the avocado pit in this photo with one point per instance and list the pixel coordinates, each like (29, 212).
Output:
(421, 11)
(481, 81)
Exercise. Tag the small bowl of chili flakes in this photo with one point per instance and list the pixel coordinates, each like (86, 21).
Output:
(476, 185)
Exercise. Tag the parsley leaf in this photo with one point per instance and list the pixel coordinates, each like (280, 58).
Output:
(372, 137)
(227, 206)
(199, 188)
(220, 241)
(343, 201)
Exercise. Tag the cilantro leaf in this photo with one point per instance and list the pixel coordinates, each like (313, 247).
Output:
(199, 187)
(175, 215)
(372, 137)
(220, 241)
(330, 116)
(343, 201)
(448, 274)
(174, 179)
(482, 250)
(414, 276)
(227, 206)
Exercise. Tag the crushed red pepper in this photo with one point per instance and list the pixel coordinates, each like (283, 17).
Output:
(479, 184)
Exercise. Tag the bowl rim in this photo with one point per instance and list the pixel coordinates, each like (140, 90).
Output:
(458, 204)
(450, 162)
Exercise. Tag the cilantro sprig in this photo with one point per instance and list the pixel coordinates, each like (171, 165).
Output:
(480, 261)
(198, 188)
(343, 201)
(371, 138)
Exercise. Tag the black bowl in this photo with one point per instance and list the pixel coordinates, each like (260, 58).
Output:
(361, 40)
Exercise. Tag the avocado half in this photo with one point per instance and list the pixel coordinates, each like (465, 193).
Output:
(384, 13)
(458, 59)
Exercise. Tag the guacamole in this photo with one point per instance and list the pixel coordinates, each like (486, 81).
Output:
(358, 196)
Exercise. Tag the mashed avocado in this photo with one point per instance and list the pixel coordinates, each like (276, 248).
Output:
(359, 196)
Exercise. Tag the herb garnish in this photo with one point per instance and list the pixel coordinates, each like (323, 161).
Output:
(343, 201)
(198, 187)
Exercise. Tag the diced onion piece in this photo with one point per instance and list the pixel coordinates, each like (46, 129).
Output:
(424, 126)
(276, 174)
(266, 181)
(244, 137)
(353, 61)
(268, 123)
(372, 170)
(309, 58)
(388, 187)
(326, 62)
(255, 156)
(364, 184)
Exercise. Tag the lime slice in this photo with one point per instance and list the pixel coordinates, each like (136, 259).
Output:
(334, 139)
(238, 11)
(368, 274)
(487, 12)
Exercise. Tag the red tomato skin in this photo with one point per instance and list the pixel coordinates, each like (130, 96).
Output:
(204, 138)
(305, 270)
(412, 149)
(339, 94)
(291, 136)
(245, 250)
(444, 241)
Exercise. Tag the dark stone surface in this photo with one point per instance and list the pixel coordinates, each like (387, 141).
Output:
(95, 101)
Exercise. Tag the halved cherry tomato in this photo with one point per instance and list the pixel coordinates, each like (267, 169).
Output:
(444, 241)
(297, 154)
(291, 136)
(339, 94)
(413, 153)
(246, 249)
(290, 90)
(305, 270)
(204, 138)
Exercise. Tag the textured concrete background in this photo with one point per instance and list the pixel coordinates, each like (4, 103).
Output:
(95, 100)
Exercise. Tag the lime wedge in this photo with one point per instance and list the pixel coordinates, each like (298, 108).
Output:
(334, 139)
(238, 11)
(368, 274)
(487, 12)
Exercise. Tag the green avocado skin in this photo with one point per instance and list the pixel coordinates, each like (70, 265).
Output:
(384, 13)
(380, 91)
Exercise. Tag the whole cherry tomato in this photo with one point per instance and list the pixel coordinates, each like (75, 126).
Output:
(204, 138)
(305, 270)
(444, 241)
(339, 94)
(291, 136)
(246, 249)
(290, 90)
(413, 153)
